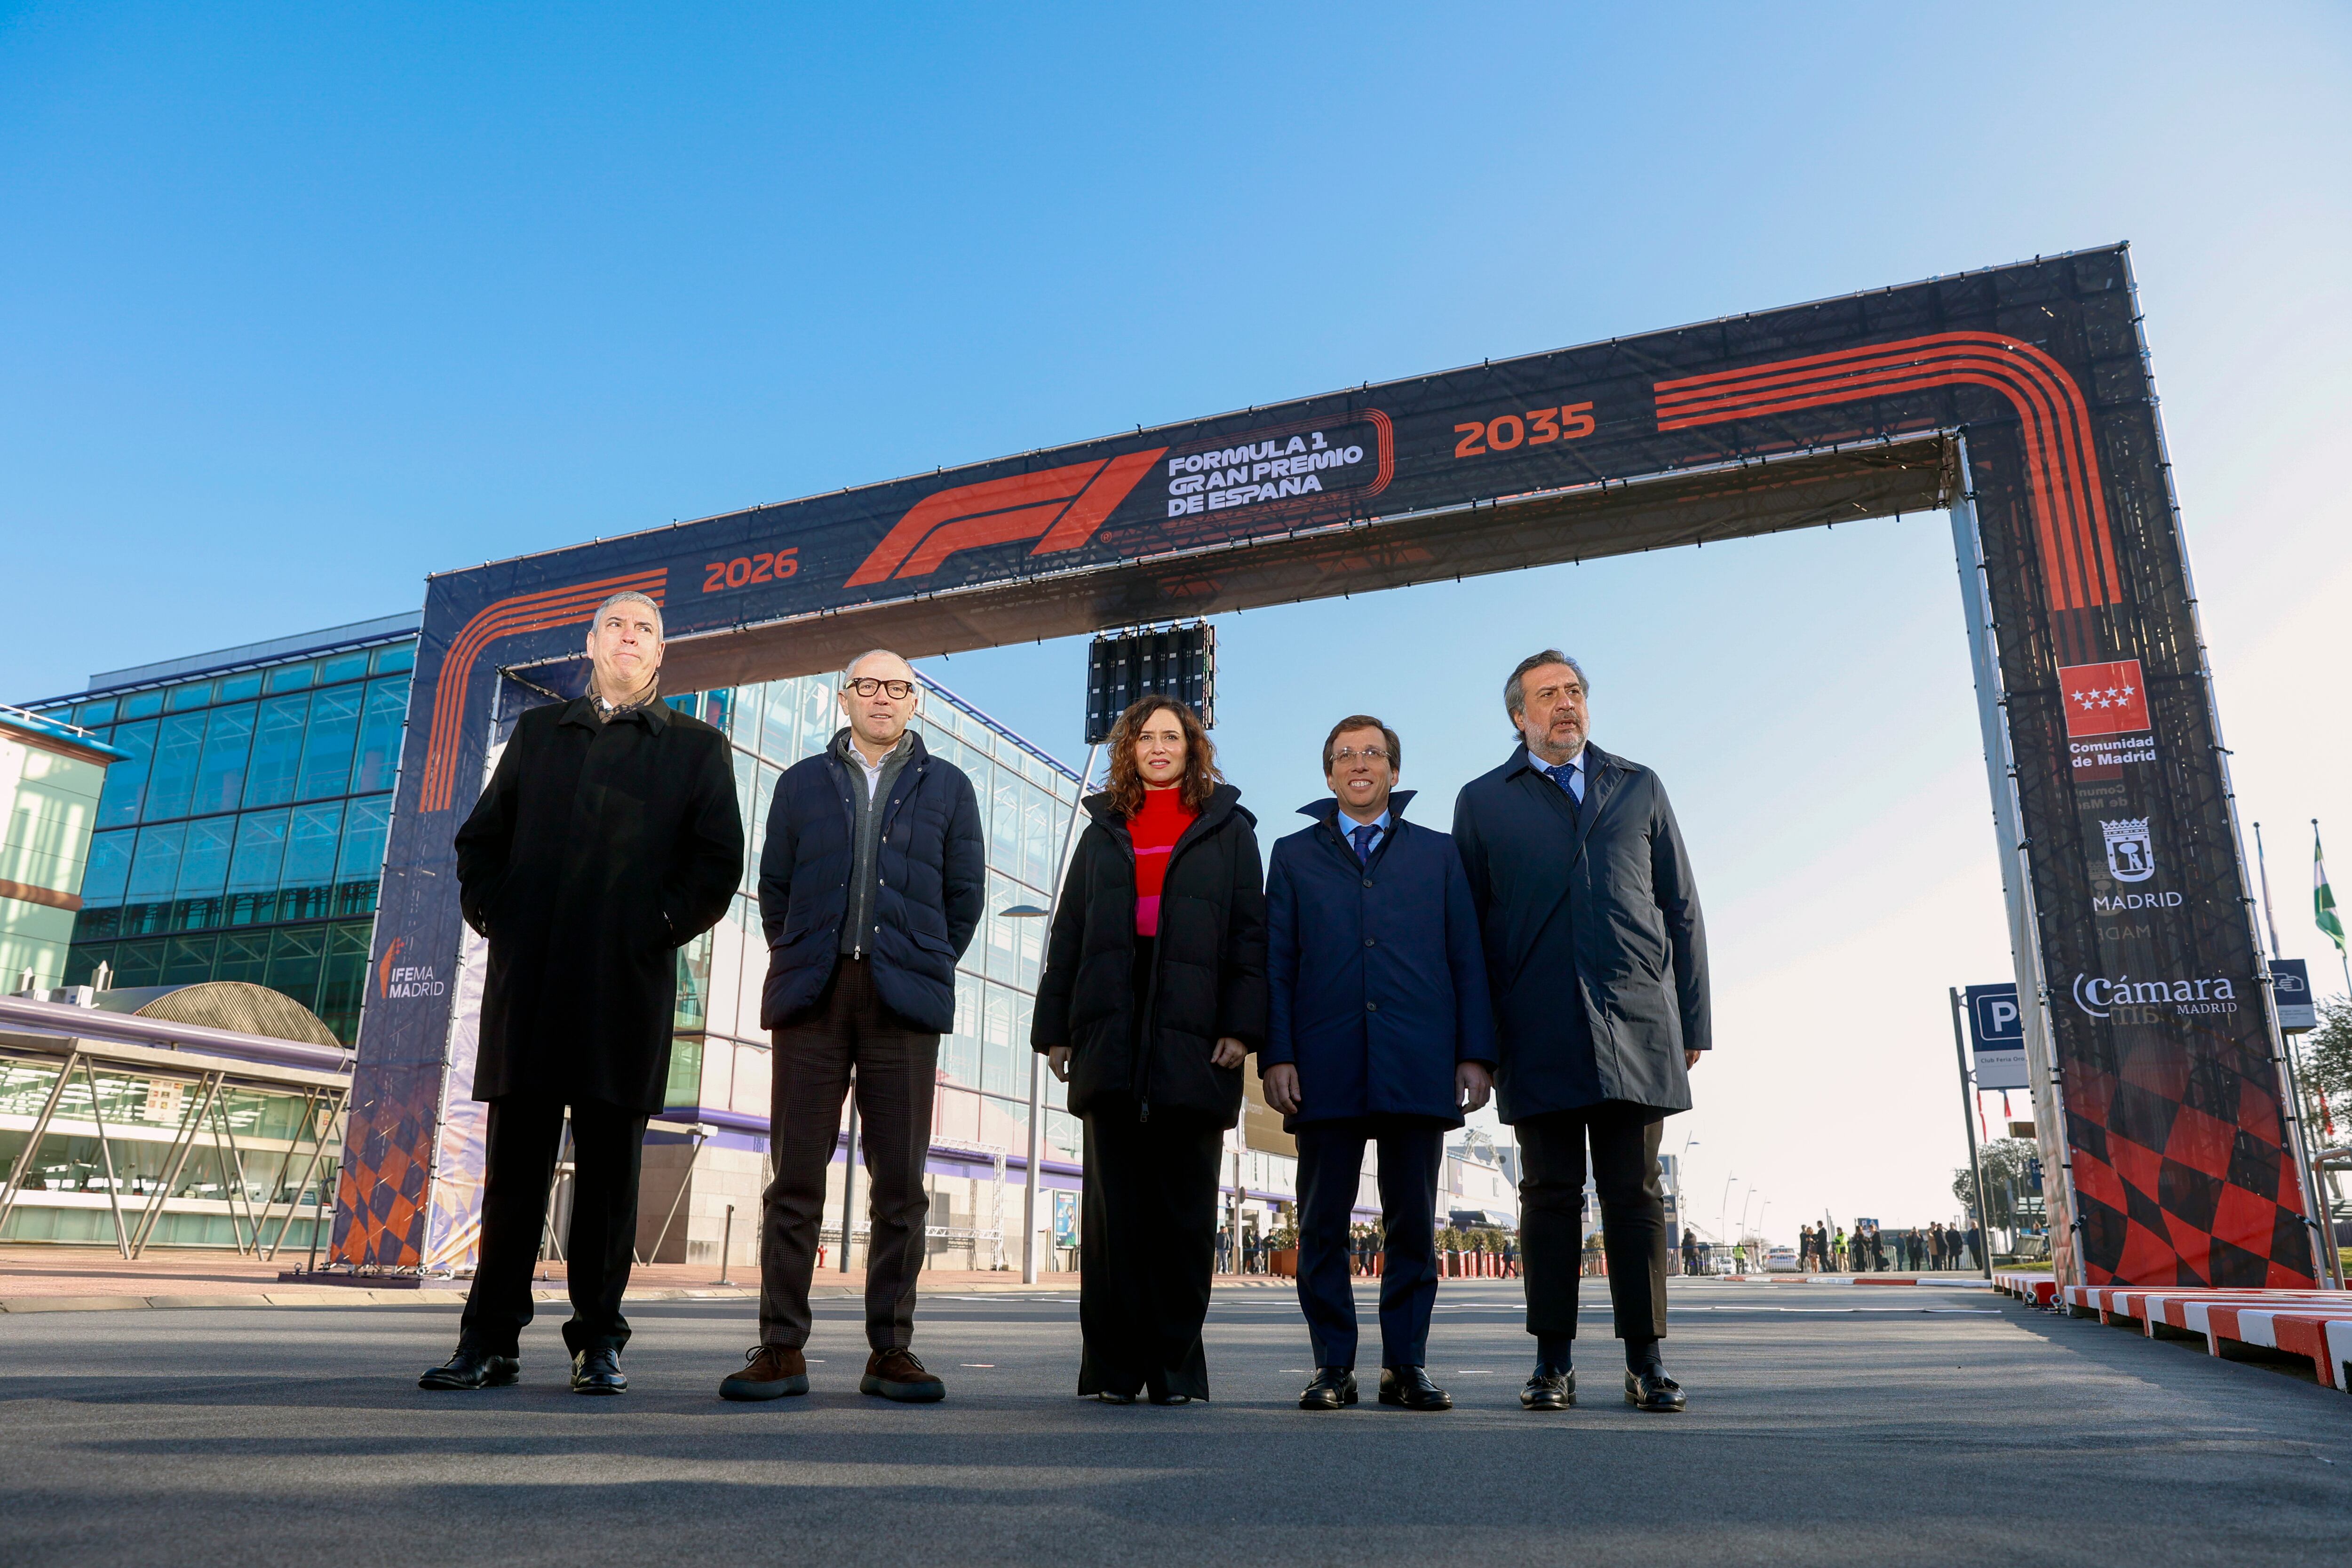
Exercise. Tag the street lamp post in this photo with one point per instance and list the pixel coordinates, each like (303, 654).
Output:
(1723, 1211)
(1031, 1188)
(1682, 1210)
(1968, 1126)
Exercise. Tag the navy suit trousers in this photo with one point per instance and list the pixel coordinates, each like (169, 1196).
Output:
(1624, 1143)
(1330, 1168)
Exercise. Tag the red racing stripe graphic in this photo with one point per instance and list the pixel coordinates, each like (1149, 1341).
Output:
(2065, 492)
(1087, 513)
(1060, 508)
(524, 613)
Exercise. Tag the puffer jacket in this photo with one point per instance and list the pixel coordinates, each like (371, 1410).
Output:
(1208, 974)
(933, 866)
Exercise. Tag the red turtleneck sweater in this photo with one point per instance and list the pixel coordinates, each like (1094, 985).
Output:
(1155, 828)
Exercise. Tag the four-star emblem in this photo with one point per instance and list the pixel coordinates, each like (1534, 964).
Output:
(2104, 698)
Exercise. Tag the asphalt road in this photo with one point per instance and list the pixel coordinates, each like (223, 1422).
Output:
(1826, 1426)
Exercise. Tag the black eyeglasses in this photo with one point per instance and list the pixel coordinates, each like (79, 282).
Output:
(868, 686)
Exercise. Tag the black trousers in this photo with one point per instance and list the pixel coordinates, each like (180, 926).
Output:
(897, 1074)
(1624, 1148)
(1330, 1170)
(519, 1165)
(1147, 1250)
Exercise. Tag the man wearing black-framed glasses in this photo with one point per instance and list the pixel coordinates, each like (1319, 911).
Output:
(871, 884)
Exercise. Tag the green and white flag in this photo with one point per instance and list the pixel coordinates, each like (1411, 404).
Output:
(2323, 901)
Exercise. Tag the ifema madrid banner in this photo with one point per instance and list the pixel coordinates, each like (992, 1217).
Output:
(2017, 400)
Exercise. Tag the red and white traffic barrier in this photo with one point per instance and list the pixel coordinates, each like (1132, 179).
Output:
(2316, 1324)
(2035, 1289)
(1945, 1281)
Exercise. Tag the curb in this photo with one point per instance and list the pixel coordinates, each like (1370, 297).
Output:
(454, 1295)
(335, 1296)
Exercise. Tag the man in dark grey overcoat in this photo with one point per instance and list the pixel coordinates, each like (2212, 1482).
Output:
(1597, 961)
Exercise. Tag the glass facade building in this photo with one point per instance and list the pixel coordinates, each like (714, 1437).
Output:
(241, 836)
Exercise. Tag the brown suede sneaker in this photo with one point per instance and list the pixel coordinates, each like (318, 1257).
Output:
(898, 1374)
(772, 1372)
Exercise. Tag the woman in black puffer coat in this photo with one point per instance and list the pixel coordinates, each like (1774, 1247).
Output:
(1154, 990)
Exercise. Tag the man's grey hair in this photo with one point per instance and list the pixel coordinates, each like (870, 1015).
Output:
(627, 597)
(1515, 695)
(849, 670)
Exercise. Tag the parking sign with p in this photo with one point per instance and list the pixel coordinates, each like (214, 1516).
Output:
(1996, 1035)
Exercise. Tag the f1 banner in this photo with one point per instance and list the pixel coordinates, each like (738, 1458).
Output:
(2017, 400)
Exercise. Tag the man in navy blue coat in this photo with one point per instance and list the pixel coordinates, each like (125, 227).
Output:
(1597, 960)
(1380, 1033)
(873, 880)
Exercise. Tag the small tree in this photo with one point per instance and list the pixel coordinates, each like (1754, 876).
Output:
(2327, 1053)
(2005, 1161)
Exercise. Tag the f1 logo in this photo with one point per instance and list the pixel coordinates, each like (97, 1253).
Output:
(1059, 507)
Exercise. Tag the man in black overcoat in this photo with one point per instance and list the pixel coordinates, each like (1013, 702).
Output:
(609, 837)
(1597, 960)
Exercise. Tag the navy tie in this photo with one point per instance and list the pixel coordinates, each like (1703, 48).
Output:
(1362, 834)
(1568, 776)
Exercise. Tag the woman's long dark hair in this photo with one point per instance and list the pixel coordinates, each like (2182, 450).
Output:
(1200, 775)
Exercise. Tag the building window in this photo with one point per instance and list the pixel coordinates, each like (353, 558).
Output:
(263, 798)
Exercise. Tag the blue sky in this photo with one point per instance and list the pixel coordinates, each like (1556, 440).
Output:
(299, 303)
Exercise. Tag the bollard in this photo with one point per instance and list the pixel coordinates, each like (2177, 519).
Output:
(727, 1246)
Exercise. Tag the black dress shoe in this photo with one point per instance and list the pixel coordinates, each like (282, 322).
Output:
(472, 1369)
(1409, 1387)
(1654, 1391)
(598, 1371)
(1333, 1388)
(1550, 1390)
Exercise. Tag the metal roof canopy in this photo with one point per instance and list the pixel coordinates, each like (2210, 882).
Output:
(2020, 398)
(87, 1039)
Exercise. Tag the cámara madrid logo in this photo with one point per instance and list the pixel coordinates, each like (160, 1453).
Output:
(2101, 997)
